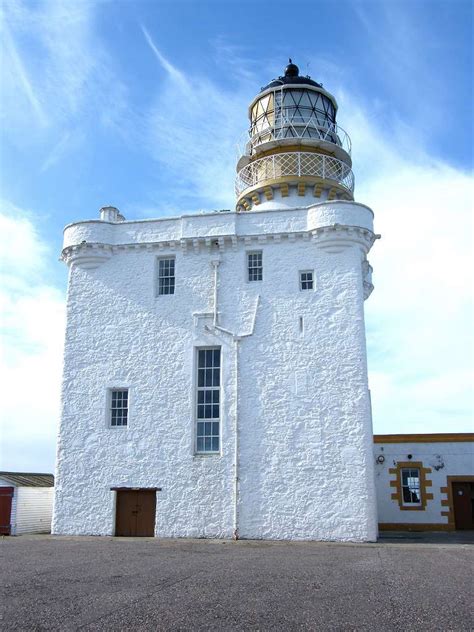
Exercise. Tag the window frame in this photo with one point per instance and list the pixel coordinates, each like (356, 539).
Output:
(196, 403)
(248, 254)
(407, 503)
(109, 398)
(306, 289)
(159, 277)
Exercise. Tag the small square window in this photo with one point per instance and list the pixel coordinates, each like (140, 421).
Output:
(255, 266)
(306, 280)
(166, 275)
(119, 407)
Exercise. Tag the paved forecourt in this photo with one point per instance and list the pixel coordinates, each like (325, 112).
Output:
(71, 583)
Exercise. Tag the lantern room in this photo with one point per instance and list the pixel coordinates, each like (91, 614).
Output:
(293, 140)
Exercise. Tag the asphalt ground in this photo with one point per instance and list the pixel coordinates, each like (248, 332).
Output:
(92, 583)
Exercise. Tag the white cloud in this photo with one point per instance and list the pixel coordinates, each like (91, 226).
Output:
(32, 322)
(420, 315)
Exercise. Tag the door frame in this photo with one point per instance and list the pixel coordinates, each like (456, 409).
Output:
(129, 489)
(449, 502)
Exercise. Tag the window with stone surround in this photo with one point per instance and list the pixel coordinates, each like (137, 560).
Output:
(208, 405)
(166, 275)
(411, 485)
(118, 407)
(306, 280)
(255, 266)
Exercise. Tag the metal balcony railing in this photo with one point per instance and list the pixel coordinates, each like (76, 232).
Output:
(298, 164)
(297, 128)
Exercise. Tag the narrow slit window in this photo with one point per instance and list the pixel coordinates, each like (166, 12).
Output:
(255, 266)
(119, 407)
(306, 280)
(166, 275)
(208, 404)
(411, 488)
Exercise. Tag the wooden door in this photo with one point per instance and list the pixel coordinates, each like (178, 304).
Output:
(6, 495)
(135, 512)
(463, 501)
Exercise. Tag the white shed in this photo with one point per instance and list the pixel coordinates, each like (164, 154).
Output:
(26, 503)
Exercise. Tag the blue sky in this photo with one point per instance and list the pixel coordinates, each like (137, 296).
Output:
(141, 104)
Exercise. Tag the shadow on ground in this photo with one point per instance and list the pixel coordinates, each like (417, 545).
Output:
(426, 537)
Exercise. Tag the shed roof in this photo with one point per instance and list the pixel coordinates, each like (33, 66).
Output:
(28, 479)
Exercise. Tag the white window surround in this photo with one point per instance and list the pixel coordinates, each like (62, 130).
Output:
(254, 266)
(108, 406)
(207, 401)
(306, 280)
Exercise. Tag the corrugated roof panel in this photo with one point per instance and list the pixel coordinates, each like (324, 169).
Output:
(27, 479)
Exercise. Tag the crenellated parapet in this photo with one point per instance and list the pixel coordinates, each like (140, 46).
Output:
(330, 226)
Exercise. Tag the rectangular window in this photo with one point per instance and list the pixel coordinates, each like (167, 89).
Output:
(255, 266)
(166, 277)
(306, 280)
(411, 489)
(208, 400)
(119, 407)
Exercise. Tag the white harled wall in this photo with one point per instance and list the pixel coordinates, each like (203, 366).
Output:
(296, 389)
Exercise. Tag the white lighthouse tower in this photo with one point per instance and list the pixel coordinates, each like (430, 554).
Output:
(215, 376)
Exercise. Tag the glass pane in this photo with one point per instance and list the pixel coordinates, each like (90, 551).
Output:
(215, 444)
(201, 358)
(406, 495)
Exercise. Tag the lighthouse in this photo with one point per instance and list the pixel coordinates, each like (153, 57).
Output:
(215, 367)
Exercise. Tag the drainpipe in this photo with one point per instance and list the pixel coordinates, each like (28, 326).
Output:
(236, 339)
(236, 442)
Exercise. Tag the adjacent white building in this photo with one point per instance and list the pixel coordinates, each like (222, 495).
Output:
(26, 503)
(425, 482)
(215, 373)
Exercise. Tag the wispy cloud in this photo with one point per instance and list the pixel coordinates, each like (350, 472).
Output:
(173, 72)
(15, 71)
(70, 140)
(192, 129)
(57, 69)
